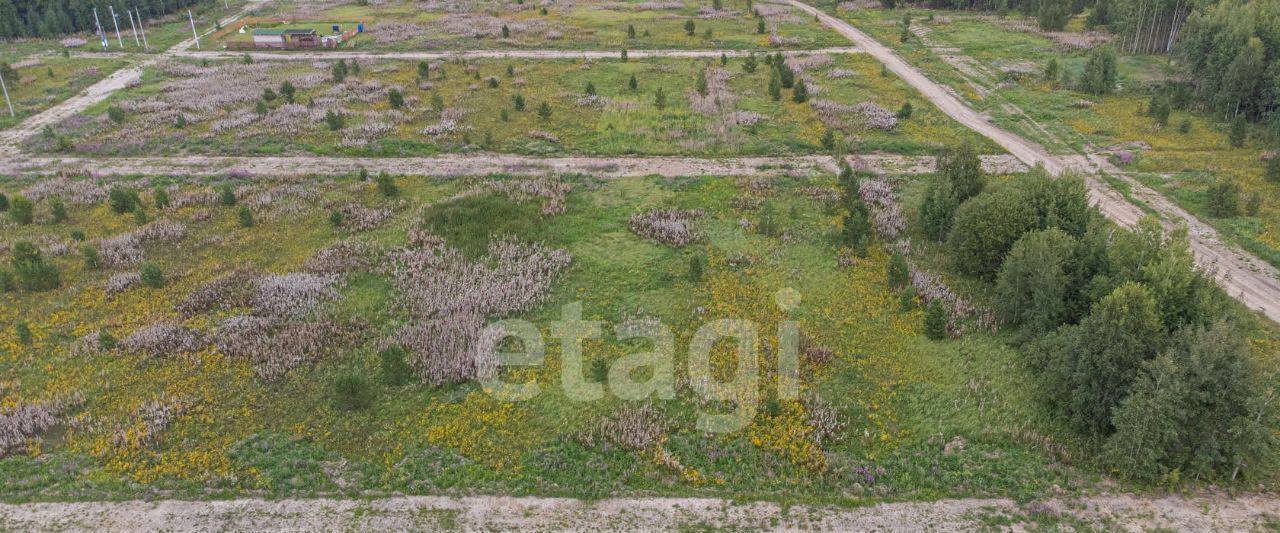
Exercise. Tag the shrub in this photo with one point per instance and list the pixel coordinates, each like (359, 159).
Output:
(1052, 71)
(335, 218)
(334, 120)
(21, 210)
(517, 102)
(935, 321)
(394, 98)
(4, 202)
(151, 275)
(1254, 204)
(161, 198)
(962, 168)
(89, 253)
(268, 95)
(7, 283)
(828, 139)
(801, 93)
(245, 217)
(387, 185)
(116, 114)
(697, 265)
(1223, 199)
(352, 391)
(140, 214)
(57, 209)
(23, 332)
(544, 111)
(394, 366)
(1273, 169)
(339, 71)
(897, 272)
(288, 91)
(30, 269)
(1185, 126)
(599, 370)
(905, 111)
(689, 28)
(1239, 132)
(122, 200)
(660, 99)
(227, 195)
(907, 298)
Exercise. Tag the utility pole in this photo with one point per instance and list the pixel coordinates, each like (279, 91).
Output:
(136, 42)
(6, 96)
(193, 28)
(142, 27)
(115, 19)
(99, 25)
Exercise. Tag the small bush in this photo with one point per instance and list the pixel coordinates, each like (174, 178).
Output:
(161, 198)
(30, 269)
(395, 98)
(57, 209)
(1223, 200)
(1239, 132)
(122, 200)
(4, 202)
(77, 235)
(21, 210)
(907, 298)
(106, 341)
(352, 392)
(334, 121)
(7, 283)
(335, 218)
(116, 114)
(897, 272)
(387, 185)
(23, 333)
(935, 321)
(697, 266)
(395, 368)
(140, 214)
(544, 111)
(89, 253)
(905, 111)
(599, 370)
(151, 275)
(227, 195)
(245, 217)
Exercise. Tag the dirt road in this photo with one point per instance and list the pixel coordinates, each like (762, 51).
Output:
(478, 164)
(502, 54)
(98, 92)
(490, 513)
(1254, 282)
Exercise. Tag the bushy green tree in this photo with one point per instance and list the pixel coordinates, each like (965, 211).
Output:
(1223, 199)
(387, 185)
(352, 391)
(245, 217)
(1197, 409)
(801, 93)
(938, 209)
(962, 168)
(57, 209)
(984, 229)
(1031, 289)
(89, 253)
(1100, 72)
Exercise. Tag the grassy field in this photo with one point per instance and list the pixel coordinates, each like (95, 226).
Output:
(401, 25)
(44, 82)
(914, 418)
(471, 107)
(1182, 165)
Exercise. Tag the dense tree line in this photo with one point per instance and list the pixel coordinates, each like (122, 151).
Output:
(47, 18)
(1128, 342)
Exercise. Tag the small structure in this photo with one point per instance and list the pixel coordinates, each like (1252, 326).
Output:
(267, 38)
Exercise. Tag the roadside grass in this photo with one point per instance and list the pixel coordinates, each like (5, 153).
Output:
(46, 81)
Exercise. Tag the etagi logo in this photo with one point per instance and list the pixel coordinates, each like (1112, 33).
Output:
(742, 390)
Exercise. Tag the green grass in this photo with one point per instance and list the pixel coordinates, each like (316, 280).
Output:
(902, 396)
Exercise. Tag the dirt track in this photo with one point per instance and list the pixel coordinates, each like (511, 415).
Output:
(1254, 282)
(479, 164)
(501, 54)
(487, 513)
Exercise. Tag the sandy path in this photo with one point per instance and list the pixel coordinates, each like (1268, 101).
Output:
(479, 164)
(487, 513)
(502, 54)
(1253, 281)
(98, 92)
